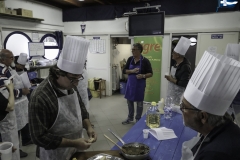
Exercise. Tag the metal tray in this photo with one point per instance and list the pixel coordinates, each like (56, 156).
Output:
(108, 157)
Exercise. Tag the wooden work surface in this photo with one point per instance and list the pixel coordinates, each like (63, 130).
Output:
(86, 155)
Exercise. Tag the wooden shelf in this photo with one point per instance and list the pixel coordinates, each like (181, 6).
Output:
(18, 17)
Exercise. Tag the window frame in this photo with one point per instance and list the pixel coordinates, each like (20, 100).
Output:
(50, 47)
(16, 32)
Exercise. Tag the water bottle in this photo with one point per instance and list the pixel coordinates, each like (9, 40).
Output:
(153, 116)
(168, 108)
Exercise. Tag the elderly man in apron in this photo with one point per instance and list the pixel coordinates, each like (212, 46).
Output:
(57, 114)
(180, 72)
(8, 126)
(209, 93)
(138, 69)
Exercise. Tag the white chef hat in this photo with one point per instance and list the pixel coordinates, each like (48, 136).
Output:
(182, 46)
(22, 59)
(233, 51)
(73, 55)
(214, 83)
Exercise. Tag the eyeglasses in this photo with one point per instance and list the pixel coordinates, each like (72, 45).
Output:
(135, 49)
(182, 108)
(72, 79)
(12, 58)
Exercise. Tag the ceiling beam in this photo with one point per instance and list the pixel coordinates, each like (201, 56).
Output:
(73, 2)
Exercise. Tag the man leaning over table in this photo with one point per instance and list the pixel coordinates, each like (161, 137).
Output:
(57, 114)
(210, 91)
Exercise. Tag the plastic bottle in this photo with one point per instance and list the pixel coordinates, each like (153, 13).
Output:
(168, 108)
(161, 106)
(153, 116)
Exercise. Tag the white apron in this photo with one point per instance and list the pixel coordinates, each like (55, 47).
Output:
(188, 145)
(68, 124)
(21, 104)
(174, 90)
(9, 133)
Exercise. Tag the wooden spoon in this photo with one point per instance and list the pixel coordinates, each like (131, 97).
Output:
(115, 143)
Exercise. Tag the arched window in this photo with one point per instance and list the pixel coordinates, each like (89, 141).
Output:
(51, 46)
(17, 42)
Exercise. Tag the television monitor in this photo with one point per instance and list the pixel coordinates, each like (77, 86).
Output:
(146, 24)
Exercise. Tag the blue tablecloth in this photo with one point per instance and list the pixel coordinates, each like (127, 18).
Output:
(161, 150)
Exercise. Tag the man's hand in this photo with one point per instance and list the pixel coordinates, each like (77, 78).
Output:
(92, 135)
(170, 78)
(135, 70)
(139, 76)
(82, 144)
(10, 86)
(14, 149)
(25, 91)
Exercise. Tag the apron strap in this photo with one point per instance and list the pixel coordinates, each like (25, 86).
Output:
(199, 147)
(52, 88)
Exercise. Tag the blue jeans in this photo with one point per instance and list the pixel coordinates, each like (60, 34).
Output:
(131, 110)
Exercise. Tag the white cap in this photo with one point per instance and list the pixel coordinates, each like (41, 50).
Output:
(233, 51)
(22, 59)
(73, 55)
(214, 83)
(182, 46)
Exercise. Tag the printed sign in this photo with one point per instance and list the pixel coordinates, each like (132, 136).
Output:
(216, 36)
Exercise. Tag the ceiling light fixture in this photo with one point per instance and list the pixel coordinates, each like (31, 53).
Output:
(80, 0)
(193, 41)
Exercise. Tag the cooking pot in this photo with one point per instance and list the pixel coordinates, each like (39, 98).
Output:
(134, 146)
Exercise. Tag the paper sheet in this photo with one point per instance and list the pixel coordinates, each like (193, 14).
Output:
(162, 133)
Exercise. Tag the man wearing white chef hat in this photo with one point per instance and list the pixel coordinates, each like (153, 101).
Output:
(21, 101)
(210, 91)
(180, 72)
(21, 108)
(21, 62)
(57, 114)
(233, 51)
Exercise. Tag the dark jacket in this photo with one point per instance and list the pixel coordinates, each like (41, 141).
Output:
(183, 73)
(222, 143)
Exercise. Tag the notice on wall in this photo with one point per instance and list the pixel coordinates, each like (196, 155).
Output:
(36, 49)
(216, 36)
(97, 45)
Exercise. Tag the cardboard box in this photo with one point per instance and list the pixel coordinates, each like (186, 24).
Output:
(8, 10)
(2, 4)
(24, 12)
(2, 10)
